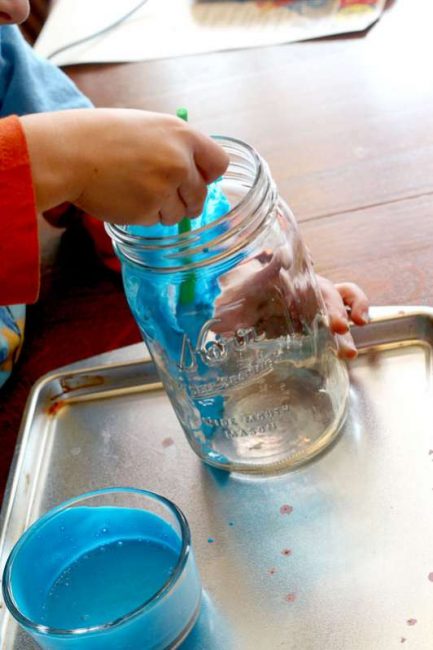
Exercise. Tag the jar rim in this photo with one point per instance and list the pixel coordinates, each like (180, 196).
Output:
(121, 236)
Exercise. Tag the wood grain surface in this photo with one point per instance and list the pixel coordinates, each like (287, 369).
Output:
(346, 126)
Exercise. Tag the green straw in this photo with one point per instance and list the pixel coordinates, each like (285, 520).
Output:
(187, 288)
(185, 224)
(182, 113)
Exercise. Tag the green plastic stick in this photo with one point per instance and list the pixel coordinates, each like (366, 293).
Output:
(185, 224)
(187, 288)
(182, 113)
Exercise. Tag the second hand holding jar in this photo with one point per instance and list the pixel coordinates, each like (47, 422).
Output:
(236, 325)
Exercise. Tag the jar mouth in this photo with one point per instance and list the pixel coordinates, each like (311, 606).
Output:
(242, 219)
(46, 630)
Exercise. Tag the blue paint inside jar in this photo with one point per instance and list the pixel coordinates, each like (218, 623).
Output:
(163, 317)
(156, 300)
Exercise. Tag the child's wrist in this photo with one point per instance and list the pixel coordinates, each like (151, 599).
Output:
(54, 155)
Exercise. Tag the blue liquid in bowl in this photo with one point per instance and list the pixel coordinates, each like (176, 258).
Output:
(110, 580)
(96, 565)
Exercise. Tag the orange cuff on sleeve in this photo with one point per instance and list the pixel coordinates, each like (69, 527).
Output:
(19, 242)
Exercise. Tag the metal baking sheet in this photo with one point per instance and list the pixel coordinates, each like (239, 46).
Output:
(337, 555)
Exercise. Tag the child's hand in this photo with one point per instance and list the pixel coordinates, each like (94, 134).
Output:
(260, 293)
(339, 300)
(125, 166)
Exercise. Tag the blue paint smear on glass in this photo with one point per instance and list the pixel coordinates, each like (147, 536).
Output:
(161, 313)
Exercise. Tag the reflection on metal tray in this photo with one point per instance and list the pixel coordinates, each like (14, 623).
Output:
(336, 555)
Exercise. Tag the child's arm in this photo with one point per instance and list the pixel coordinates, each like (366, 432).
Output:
(19, 247)
(120, 165)
(125, 166)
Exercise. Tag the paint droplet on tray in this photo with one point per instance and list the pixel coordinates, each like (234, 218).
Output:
(402, 640)
(76, 451)
(411, 621)
(272, 571)
(290, 598)
(430, 452)
(286, 509)
(231, 523)
(286, 552)
(430, 576)
(210, 540)
(167, 442)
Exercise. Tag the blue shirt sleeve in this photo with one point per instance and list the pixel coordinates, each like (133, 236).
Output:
(29, 83)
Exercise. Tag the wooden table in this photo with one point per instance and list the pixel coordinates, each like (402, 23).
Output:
(346, 126)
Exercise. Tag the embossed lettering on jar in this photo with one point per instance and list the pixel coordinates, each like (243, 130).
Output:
(234, 320)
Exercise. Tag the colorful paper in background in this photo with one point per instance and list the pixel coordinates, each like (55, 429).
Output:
(169, 28)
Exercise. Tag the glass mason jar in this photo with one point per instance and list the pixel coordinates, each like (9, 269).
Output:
(236, 325)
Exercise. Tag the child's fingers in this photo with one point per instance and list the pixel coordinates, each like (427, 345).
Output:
(346, 346)
(338, 318)
(354, 297)
(172, 211)
(210, 158)
(193, 193)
